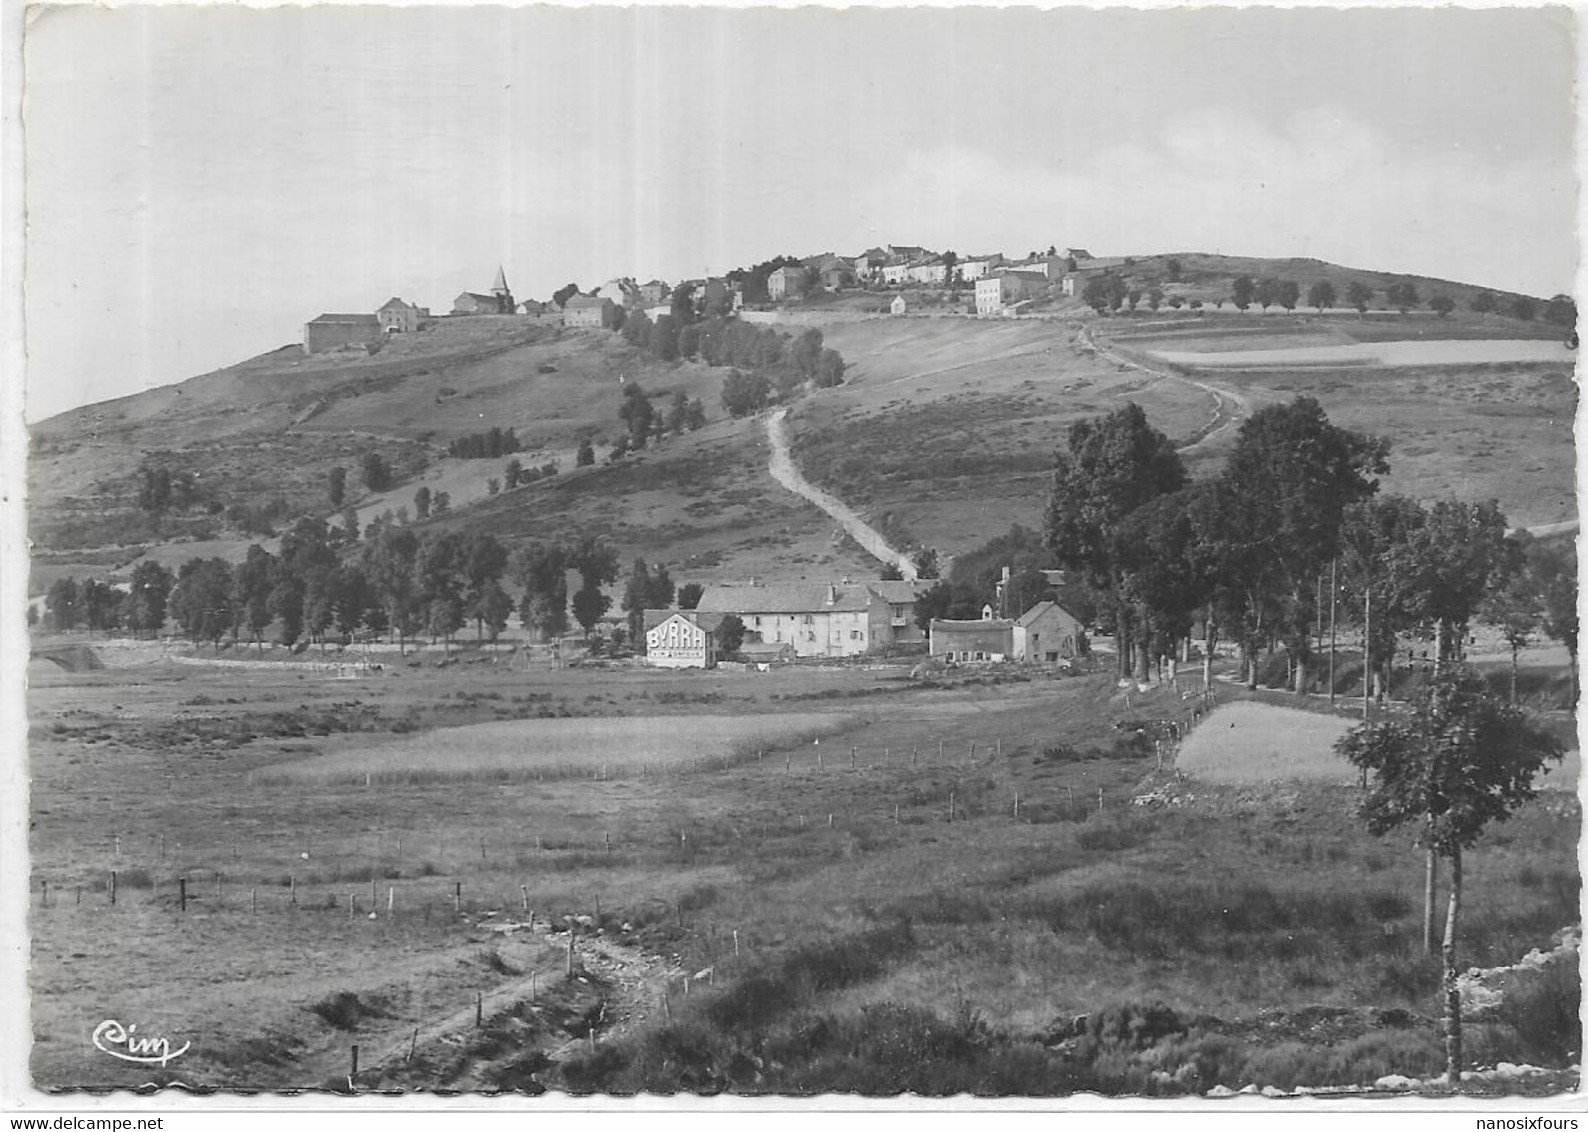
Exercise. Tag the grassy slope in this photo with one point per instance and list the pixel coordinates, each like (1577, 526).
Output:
(1018, 922)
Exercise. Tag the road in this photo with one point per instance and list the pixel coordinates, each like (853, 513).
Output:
(1229, 407)
(785, 471)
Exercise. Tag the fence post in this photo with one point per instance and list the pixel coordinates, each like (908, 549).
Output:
(412, 1042)
(914, 755)
(457, 896)
(1017, 805)
(940, 750)
(217, 888)
(292, 881)
(374, 898)
(352, 1073)
(79, 895)
(851, 758)
(895, 813)
(479, 1009)
(182, 893)
(391, 898)
(351, 899)
(829, 821)
(570, 951)
(112, 888)
(608, 837)
(951, 805)
(998, 748)
(821, 762)
(1099, 799)
(524, 889)
(253, 900)
(735, 943)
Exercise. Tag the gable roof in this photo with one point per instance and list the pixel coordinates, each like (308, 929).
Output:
(710, 622)
(803, 597)
(580, 301)
(896, 591)
(475, 295)
(345, 320)
(1041, 609)
(396, 304)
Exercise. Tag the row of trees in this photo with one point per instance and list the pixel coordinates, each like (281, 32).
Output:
(488, 445)
(401, 583)
(1247, 551)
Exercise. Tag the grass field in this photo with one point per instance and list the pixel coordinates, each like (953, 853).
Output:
(895, 921)
(1252, 742)
(534, 750)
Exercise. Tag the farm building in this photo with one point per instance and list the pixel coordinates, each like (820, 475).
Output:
(973, 269)
(786, 283)
(681, 638)
(1045, 633)
(654, 293)
(987, 638)
(995, 292)
(335, 331)
(837, 619)
(470, 302)
(398, 317)
(901, 598)
(590, 310)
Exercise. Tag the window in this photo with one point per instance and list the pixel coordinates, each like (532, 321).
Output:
(854, 634)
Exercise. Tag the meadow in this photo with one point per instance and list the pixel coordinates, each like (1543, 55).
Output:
(979, 881)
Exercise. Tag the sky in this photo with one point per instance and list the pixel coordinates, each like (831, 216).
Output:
(202, 181)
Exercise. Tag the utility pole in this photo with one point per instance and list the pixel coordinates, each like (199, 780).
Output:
(1367, 648)
(1334, 592)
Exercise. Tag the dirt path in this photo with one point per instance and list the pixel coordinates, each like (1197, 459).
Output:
(1229, 407)
(631, 985)
(785, 471)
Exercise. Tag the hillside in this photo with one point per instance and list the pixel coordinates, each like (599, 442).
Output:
(942, 434)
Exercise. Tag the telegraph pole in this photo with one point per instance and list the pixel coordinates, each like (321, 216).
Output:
(1334, 592)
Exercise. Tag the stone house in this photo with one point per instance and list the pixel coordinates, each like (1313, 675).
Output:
(786, 283)
(594, 311)
(398, 317)
(335, 331)
(814, 620)
(996, 291)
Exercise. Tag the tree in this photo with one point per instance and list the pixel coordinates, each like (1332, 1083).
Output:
(664, 337)
(597, 564)
(1113, 465)
(1358, 294)
(422, 502)
(1461, 760)
(1515, 608)
(1155, 298)
(1561, 311)
(1286, 486)
(1321, 295)
(695, 416)
(637, 414)
(1554, 569)
(513, 473)
(806, 351)
(689, 595)
(745, 393)
(1442, 305)
(924, 559)
(1458, 555)
(1402, 295)
(829, 369)
(146, 599)
(1174, 269)
(637, 330)
(336, 486)
(253, 583)
(1288, 294)
(540, 570)
(1104, 292)
(586, 455)
(1484, 302)
(63, 603)
(389, 565)
(730, 634)
(562, 294)
(891, 573)
(1267, 292)
(375, 471)
(1242, 291)
(1523, 308)
(202, 599)
(493, 486)
(440, 502)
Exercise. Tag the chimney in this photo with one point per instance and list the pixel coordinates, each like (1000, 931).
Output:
(832, 594)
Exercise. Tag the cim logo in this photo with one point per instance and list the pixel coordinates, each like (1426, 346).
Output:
(123, 1042)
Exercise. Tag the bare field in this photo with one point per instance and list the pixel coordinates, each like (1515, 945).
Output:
(288, 951)
(1300, 352)
(1253, 743)
(562, 748)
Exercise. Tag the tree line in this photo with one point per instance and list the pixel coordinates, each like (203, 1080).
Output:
(1295, 508)
(487, 445)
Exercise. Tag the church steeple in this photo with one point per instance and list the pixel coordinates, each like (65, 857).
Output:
(504, 297)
